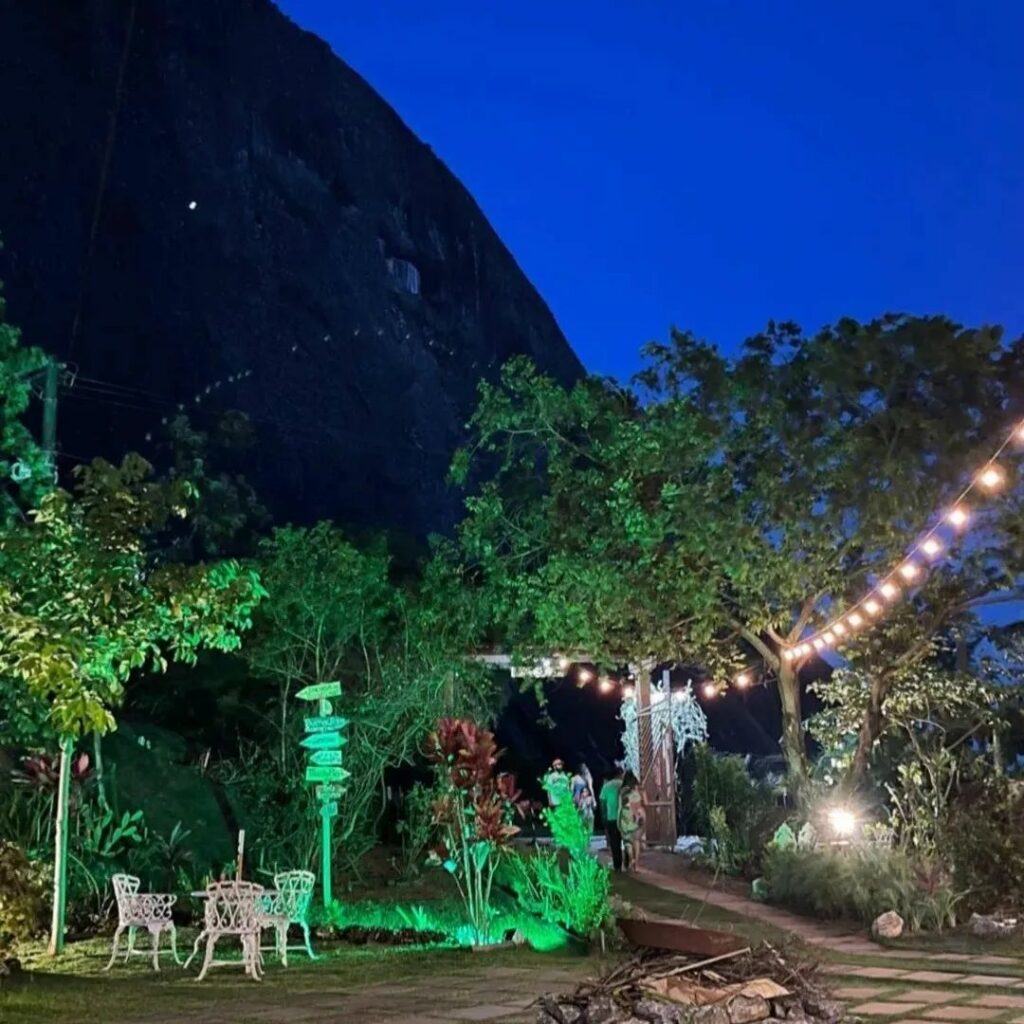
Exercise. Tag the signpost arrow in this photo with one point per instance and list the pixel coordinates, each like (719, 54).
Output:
(326, 773)
(325, 722)
(329, 792)
(329, 810)
(319, 691)
(326, 757)
(324, 741)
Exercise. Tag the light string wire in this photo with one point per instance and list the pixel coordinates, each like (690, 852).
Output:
(910, 567)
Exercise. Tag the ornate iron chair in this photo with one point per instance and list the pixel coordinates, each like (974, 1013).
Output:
(286, 905)
(149, 910)
(231, 909)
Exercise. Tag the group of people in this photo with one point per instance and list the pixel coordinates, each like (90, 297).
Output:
(622, 808)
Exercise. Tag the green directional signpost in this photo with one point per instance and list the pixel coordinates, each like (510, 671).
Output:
(324, 741)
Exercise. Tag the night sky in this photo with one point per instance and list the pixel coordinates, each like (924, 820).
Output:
(716, 165)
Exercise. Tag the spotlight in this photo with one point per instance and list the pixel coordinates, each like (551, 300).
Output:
(843, 821)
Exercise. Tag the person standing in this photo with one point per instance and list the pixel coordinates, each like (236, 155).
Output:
(631, 821)
(610, 794)
(555, 781)
(583, 797)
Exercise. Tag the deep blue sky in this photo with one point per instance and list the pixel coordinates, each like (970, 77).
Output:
(717, 164)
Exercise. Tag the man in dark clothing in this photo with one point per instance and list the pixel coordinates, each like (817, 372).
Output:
(610, 793)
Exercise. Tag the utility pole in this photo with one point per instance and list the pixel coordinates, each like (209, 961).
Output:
(51, 379)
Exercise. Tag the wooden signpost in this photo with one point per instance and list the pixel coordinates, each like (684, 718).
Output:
(324, 741)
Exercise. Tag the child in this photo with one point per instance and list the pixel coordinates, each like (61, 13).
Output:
(631, 821)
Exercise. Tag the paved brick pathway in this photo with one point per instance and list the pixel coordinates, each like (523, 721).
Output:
(954, 991)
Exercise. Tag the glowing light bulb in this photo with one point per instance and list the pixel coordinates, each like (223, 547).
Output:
(843, 821)
(1020, 432)
(818, 643)
(828, 636)
(871, 606)
(789, 654)
(958, 515)
(585, 675)
(931, 547)
(627, 693)
(991, 477)
(908, 570)
(839, 629)
(855, 619)
(888, 590)
(606, 685)
(743, 679)
(710, 690)
(564, 664)
(678, 695)
(192, 205)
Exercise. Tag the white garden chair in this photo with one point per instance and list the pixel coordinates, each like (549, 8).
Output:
(286, 905)
(231, 909)
(149, 910)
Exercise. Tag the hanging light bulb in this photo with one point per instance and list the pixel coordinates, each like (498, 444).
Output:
(818, 643)
(1020, 432)
(710, 690)
(958, 515)
(627, 693)
(889, 590)
(742, 680)
(871, 606)
(606, 685)
(931, 547)
(828, 636)
(789, 654)
(908, 570)
(839, 629)
(855, 619)
(991, 477)
(585, 675)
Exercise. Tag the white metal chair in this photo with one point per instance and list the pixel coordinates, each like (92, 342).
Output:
(286, 905)
(231, 909)
(149, 910)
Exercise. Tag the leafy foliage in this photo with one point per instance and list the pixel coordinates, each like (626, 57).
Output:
(474, 813)
(22, 898)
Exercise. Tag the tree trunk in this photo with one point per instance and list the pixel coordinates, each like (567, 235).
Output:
(793, 746)
(870, 728)
(60, 849)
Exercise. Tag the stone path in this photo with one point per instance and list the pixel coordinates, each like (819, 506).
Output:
(959, 988)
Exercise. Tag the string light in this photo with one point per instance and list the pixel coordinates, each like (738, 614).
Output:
(606, 685)
(710, 690)
(585, 675)
(743, 680)
(991, 477)
(958, 516)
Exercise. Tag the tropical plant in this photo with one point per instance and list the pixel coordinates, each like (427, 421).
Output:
(82, 606)
(473, 811)
(415, 828)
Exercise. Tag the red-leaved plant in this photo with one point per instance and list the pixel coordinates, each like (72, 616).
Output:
(474, 811)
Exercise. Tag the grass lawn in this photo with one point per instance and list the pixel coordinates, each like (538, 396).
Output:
(73, 989)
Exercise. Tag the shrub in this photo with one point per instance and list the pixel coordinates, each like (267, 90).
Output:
(986, 844)
(861, 883)
(416, 829)
(22, 898)
(732, 810)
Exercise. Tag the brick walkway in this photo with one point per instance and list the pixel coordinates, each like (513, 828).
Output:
(959, 988)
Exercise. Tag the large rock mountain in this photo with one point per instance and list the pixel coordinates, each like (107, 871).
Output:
(202, 205)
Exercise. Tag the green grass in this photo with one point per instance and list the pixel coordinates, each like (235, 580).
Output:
(73, 989)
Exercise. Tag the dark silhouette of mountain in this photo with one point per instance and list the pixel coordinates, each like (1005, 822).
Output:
(198, 199)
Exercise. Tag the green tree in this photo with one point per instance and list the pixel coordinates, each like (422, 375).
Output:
(83, 605)
(396, 643)
(727, 506)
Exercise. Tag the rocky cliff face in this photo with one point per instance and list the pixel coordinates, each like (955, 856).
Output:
(270, 237)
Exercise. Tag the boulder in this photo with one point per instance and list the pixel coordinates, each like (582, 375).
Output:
(745, 1009)
(657, 1012)
(888, 925)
